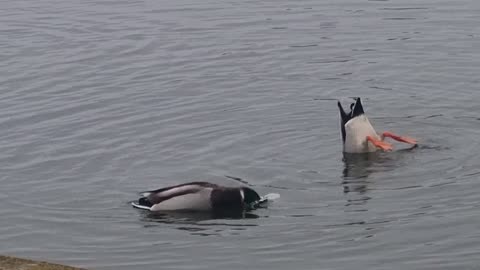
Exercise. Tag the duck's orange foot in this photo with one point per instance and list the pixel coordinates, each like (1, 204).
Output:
(380, 144)
(400, 138)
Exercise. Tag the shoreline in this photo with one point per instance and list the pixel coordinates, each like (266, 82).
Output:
(15, 263)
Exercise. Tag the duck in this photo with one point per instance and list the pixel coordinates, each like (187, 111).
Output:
(358, 134)
(199, 197)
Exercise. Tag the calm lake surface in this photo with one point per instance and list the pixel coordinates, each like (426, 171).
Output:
(102, 99)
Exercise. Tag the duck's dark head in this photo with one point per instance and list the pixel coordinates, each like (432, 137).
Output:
(356, 109)
(250, 197)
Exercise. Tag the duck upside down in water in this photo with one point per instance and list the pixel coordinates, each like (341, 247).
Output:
(358, 134)
(199, 196)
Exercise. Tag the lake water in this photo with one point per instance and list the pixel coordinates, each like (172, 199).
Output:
(102, 99)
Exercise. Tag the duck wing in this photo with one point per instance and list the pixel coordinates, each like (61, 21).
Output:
(163, 194)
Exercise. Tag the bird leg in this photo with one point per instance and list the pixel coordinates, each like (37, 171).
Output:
(399, 138)
(380, 144)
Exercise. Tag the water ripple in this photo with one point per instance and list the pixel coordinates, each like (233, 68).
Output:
(101, 99)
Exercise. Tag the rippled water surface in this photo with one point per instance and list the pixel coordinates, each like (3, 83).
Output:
(101, 99)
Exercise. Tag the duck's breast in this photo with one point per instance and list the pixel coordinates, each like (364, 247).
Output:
(198, 201)
(356, 130)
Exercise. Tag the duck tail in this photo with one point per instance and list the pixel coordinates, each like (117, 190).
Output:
(143, 203)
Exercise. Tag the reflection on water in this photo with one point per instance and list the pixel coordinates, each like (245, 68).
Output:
(198, 223)
(358, 167)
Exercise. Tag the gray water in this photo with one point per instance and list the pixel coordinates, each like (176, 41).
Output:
(102, 99)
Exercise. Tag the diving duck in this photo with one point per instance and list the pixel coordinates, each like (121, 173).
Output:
(358, 134)
(199, 196)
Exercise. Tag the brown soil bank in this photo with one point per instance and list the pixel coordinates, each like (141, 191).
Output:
(13, 263)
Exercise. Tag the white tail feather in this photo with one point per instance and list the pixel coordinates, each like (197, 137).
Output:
(140, 206)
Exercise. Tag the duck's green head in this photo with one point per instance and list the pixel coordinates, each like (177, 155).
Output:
(250, 197)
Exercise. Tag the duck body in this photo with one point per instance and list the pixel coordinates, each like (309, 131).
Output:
(357, 129)
(198, 196)
(358, 134)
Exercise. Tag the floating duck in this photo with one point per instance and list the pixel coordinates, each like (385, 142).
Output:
(200, 196)
(358, 134)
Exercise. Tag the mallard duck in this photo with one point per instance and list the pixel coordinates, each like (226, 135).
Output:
(358, 134)
(199, 196)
